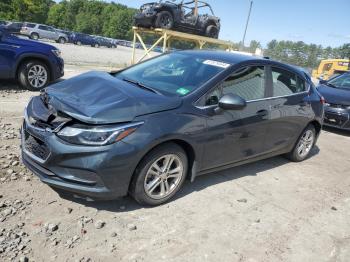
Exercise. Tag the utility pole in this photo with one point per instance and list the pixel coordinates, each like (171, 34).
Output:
(246, 26)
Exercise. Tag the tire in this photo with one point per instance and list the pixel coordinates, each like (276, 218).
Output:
(145, 174)
(96, 45)
(212, 31)
(306, 142)
(113, 46)
(78, 43)
(164, 20)
(61, 40)
(34, 36)
(26, 75)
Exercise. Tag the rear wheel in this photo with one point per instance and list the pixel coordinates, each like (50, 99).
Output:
(96, 45)
(78, 43)
(304, 145)
(33, 75)
(212, 31)
(61, 40)
(159, 175)
(164, 20)
(34, 36)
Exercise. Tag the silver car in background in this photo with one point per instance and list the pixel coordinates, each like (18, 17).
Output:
(37, 31)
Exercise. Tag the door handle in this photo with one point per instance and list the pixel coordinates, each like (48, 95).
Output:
(262, 113)
(303, 103)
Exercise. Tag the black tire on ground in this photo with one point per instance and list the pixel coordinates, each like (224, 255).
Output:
(23, 75)
(96, 45)
(62, 40)
(34, 36)
(308, 136)
(78, 43)
(137, 186)
(164, 20)
(212, 31)
(113, 46)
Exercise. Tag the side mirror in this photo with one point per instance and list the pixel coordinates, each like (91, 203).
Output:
(232, 102)
(322, 81)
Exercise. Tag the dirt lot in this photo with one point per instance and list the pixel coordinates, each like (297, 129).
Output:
(272, 210)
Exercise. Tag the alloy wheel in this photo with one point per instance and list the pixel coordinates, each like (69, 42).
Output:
(305, 143)
(165, 21)
(37, 76)
(163, 176)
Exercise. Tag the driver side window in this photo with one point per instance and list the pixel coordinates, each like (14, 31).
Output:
(247, 82)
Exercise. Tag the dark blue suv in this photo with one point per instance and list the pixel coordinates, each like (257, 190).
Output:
(84, 39)
(34, 65)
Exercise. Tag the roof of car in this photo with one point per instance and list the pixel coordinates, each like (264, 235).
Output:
(228, 57)
(235, 58)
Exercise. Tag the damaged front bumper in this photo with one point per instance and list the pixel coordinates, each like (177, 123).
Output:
(144, 20)
(99, 172)
(337, 117)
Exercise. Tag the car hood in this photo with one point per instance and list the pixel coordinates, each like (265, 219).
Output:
(335, 95)
(100, 98)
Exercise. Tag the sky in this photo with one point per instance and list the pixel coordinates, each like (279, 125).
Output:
(321, 22)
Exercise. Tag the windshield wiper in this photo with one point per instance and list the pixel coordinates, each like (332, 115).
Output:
(331, 85)
(141, 85)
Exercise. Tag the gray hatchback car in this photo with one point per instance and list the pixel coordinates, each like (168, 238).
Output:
(37, 31)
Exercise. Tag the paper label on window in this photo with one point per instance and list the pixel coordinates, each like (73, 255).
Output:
(216, 63)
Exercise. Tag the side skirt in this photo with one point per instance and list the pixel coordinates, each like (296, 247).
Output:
(243, 162)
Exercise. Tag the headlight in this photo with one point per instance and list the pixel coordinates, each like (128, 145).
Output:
(97, 136)
(57, 52)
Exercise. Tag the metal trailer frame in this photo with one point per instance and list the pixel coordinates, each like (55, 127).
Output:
(166, 36)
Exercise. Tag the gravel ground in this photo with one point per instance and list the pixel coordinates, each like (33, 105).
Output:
(78, 55)
(272, 210)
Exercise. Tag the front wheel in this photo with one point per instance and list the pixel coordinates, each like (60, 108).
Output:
(304, 145)
(164, 20)
(159, 175)
(33, 75)
(61, 40)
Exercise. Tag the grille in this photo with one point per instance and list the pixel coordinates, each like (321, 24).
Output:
(338, 106)
(35, 146)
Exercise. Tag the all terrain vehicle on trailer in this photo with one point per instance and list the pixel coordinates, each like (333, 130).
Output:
(194, 17)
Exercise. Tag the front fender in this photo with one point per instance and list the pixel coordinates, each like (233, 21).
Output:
(29, 55)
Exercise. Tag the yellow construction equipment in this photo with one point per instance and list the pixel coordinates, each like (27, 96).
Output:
(330, 67)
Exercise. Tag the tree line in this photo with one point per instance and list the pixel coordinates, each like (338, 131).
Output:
(115, 20)
(85, 16)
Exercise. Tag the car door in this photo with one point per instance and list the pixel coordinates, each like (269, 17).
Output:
(52, 33)
(44, 32)
(7, 56)
(290, 108)
(235, 135)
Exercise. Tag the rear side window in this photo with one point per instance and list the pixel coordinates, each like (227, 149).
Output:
(248, 83)
(42, 27)
(30, 25)
(286, 83)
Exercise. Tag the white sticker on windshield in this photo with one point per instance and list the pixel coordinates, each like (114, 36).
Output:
(216, 63)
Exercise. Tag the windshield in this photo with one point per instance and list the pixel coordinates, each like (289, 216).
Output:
(342, 81)
(173, 74)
